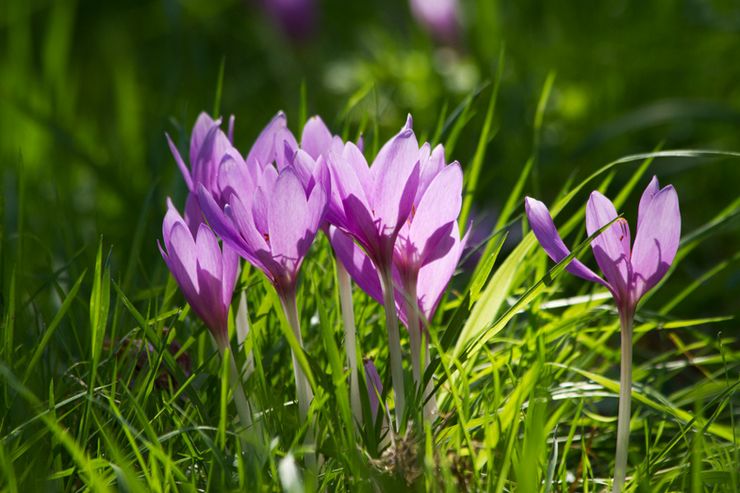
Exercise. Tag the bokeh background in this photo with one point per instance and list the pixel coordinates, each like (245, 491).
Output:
(88, 90)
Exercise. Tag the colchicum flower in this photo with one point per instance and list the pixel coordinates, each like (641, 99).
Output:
(426, 243)
(205, 272)
(629, 272)
(273, 206)
(371, 204)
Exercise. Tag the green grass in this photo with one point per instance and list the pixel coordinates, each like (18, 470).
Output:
(109, 383)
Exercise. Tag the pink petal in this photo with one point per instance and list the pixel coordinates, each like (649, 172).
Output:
(288, 217)
(548, 236)
(390, 173)
(656, 240)
(612, 247)
(316, 137)
(438, 208)
(263, 150)
(647, 197)
(203, 125)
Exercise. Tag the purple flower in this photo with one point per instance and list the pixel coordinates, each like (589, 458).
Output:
(372, 203)
(629, 273)
(209, 145)
(439, 17)
(274, 226)
(205, 272)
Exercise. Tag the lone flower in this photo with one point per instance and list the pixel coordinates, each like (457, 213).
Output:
(205, 272)
(629, 272)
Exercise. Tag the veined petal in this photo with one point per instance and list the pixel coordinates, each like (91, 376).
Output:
(263, 150)
(430, 166)
(303, 166)
(171, 218)
(358, 264)
(390, 173)
(234, 176)
(544, 229)
(203, 125)
(656, 240)
(435, 276)
(183, 257)
(316, 137)
(612, 247)
(647, 197)
(317, 203)
(208, 251)
(288, 217)
(439, 206)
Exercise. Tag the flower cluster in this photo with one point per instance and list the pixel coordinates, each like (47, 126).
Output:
(393, 226)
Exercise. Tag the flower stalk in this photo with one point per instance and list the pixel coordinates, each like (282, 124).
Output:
(350, 339)
(394, 343)
(625, 399)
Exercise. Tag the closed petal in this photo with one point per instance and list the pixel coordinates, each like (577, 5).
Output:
(612, 247)
(656, 240)
(390, 173)
(203, 125)
(183, 258)
(357, 263)
(288, 217)
(544, 229)
(647, 197)
(171, 218)
(208, 251)
(263, 150)
(316, 137)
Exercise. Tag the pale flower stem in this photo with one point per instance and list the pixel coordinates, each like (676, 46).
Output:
(394, 344)
(625, 398)
(430, 407)
(350, 343)
(303, 388)
(242, 332)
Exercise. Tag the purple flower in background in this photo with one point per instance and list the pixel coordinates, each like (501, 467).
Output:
(297, 18)
(209, 145)
(631, 270)
(439, 17)
(205, 272)
(629, 273)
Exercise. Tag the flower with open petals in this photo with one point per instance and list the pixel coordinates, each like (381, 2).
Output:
(205, 272)
(629, 272)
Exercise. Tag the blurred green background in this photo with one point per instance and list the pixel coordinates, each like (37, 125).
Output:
(88, 89)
